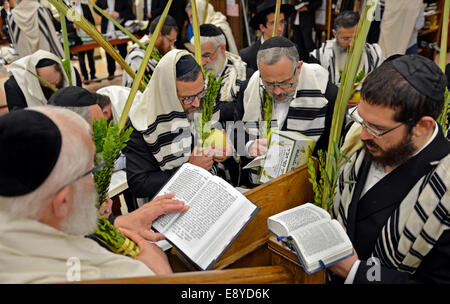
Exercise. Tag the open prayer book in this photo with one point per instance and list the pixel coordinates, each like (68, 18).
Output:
(286, 151)
(217, 215)
(309, 230)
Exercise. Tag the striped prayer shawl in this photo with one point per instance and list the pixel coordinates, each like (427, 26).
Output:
(32, 29)
(414, 228)
(160, 118)
(306, 112)
(134, 60)
(327, 57)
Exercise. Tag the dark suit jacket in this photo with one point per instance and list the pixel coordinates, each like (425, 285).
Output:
(249, 53)
(368, 215)
(156, 9)
(307, 18)
(122, 7)
(5, 16)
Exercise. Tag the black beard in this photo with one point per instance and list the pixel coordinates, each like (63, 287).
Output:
(394, 156)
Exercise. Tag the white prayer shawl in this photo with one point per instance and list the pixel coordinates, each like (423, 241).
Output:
(419, 221)
(134, 60)
(235, 72)
(397, 26)
(330, 58)
(159, 115)
(219, 20)
(28, 83)
(32, 252)
(118, 96)
(311, 87)
(32, 29)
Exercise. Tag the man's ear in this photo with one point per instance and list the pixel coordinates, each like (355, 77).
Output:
(299, 67)
(107, 112)
(424, 126)
(334, 32)
(62, 203)
(223, 48)
(262, 28)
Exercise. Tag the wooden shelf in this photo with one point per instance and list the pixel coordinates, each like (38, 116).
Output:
(429, 31)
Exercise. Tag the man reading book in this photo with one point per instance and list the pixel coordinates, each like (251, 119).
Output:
(301, 97)
(398, 210)
(47, 205)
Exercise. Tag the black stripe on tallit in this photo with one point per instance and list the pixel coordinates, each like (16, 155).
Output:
(163, 118)
(47, 32)
(302, 113)
(441, 214)
(309, 93)
(167, 138)
(438, 186)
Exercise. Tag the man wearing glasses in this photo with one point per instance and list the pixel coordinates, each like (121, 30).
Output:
(230, 67)
(333, 53)
(397, 212)
(302, 97)
(163, 122)
(264, 21)
(47, 205)
(163, 44)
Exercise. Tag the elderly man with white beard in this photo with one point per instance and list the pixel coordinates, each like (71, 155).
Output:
(47, 205)
(230, 67)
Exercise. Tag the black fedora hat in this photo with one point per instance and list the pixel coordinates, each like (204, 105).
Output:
(266, 7)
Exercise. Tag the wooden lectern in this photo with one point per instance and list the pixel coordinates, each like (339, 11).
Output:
(254, 257)
(252, 248)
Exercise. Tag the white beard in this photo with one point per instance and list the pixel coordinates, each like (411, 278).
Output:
(84, 215)
(217, 67)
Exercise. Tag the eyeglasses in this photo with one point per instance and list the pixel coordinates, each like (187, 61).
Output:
(208, 55)
(283, 86)
(369, 129)
(271, 23)
(95, 169)
(190, 99)
(171, 41)
(345, 39)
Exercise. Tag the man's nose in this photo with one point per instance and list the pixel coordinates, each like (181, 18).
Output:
(196, 102)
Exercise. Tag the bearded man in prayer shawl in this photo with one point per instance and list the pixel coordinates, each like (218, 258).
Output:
(23, 89)
(163, 124)
(230, 67)
(32, 28)
(216, 18)
(47, 205)
(397, 212)
(333, 53)
(163, 44)
(303, 99)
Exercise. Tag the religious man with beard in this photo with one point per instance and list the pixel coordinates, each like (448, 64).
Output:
(302, 97)
(163, 121)
(163, 44)
(230, 67)
(333, 53)
(47, 205)
(23, 89)
(397, 212)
